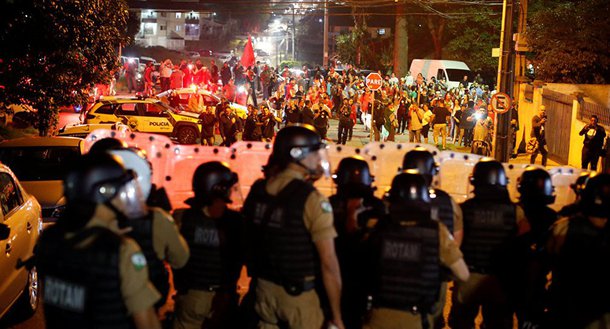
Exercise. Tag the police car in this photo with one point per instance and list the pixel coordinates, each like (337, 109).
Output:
(146, 115)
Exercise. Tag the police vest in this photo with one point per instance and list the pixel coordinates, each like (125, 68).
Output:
(580, 281)
(283, 251)
(142, 233)
(489, 225)
(82, 286)
(442, 208)
(409, 268)
(204, 269)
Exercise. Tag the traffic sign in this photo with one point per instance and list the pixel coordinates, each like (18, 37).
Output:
(374, 81)
(501, 102)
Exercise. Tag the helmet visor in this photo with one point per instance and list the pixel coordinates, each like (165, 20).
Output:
(130, 200)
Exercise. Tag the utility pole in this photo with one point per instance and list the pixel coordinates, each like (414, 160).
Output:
(504, 82)
(294, 34)
(521, 48)
(325, 51)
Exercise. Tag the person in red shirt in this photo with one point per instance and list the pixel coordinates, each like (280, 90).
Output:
(229, 91)
(148, 83)
(176, 79)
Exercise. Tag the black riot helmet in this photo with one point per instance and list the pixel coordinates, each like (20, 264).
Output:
(535, 186)
(595, 197)
(422, 160)
(107, 144)
(488, 173)
(100, 178)
(294, 143)
(409, 187)
(213, 180)
(579, 185)
(353, 177)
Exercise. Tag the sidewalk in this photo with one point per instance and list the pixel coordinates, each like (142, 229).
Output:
(361, 137)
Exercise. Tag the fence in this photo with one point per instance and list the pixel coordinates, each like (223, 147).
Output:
(559, 124)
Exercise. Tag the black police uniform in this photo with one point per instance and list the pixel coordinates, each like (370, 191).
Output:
(344, 124)
(82, 284)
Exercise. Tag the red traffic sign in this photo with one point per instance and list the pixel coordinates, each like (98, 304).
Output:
(374, 81)
(501, 102)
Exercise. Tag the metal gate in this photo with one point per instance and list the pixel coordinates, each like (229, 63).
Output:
(559, 124)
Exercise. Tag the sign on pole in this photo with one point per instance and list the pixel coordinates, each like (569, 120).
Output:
(501, 102)
(374, 81)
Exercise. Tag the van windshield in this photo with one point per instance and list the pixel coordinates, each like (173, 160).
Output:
(458, 75)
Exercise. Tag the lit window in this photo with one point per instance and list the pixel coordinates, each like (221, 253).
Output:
(381, 31)
(178, 28)
(178, 15)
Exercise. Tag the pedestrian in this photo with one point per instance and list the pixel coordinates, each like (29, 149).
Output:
(229, 126)
(415, 116)
(481, 133)
(439, 122)
(225, 74)
(579, 252)
(213, 72)
(593, 143)
(402, 114)
(307, 115)
(176, 78)
(292, 112)
(290, 233)
(426, 122)
(410, 250)
(148, 81)
(491, 222)
(356, 212)
(209, 120)
(321, 119)
(268, 122)
(456, 116)
(538, 136)
(252, 127)
(130, 75)
(206, 286)
(93, 275)
(265, 78)
(344, 122)
(165, 74)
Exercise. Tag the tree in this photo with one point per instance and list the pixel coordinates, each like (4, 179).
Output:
(570, 41)
(53, 51)
(471, 38)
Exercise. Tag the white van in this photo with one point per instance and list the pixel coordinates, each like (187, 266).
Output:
(452, 71)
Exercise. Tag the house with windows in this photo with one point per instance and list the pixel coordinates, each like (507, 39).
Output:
(170, 29)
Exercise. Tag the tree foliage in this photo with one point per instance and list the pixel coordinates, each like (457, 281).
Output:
(570, 41)
(52, 51)
(471, 38)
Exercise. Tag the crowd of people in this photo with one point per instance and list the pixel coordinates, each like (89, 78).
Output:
(409, 105)
(348, 261)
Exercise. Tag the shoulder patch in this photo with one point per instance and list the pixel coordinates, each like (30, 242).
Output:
(326, 207)
(138, 260)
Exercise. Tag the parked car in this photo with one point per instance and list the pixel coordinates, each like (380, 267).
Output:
(146, 115)
(40, 163)
(81, 130)
(209, 99)
(206, 52)
(20, 226)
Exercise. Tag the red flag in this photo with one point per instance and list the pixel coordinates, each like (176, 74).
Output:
(247, 58)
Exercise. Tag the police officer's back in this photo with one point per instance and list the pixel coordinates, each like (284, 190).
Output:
(207, 284)
(410, 249)
(92, 276)
(580, 250)
(530, 270)
(443, 207)
(290, 233)
(490, 225)
(155, 230)
(356, 211)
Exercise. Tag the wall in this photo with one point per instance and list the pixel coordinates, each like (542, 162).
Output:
(598, 94)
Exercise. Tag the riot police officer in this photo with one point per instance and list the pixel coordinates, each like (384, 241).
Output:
(577, 187)
(207, 284)
(580, 249)
(490, 225)
(356, 211)
(443, 209)
(290, 233)
(410, 249)
(528, 289)
(93, 277)
(155, 231)
(345, 122)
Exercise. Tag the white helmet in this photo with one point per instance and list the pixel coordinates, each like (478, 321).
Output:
(134, 159)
